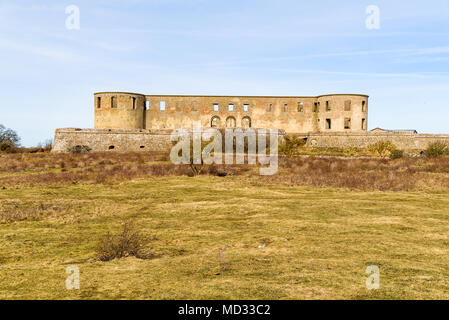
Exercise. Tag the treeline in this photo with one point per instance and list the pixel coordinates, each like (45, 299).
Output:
(10, 143)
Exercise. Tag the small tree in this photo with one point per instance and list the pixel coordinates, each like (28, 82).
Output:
(382, 148)
(436, 149)
(9, 136)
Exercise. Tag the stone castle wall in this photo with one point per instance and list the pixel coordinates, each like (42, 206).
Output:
(403, 141)
(327, 113)
(101, 140)
(112, 140)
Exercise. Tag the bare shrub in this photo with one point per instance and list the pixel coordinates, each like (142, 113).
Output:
(12, 211)
(126, 243)
(108, 168)
(290, 145)
(79, 149)
(397, 154)
(8, 147)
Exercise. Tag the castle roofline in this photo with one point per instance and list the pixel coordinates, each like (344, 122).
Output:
(229, 96)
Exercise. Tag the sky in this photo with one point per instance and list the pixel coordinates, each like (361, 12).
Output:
(49, 72)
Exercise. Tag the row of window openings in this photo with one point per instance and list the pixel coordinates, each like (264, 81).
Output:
(347, 123)
(270, 107)
(316, 106)
(162, 107)
(347, 107)
(230, 107)
(113, 147)
(230, 122)
(114, 102)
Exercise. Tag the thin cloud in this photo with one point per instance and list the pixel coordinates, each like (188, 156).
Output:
(48, 52)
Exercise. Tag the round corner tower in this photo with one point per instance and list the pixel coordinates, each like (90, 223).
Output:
(119, 110)
(342, 113)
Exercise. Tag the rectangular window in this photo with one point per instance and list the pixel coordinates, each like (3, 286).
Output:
(347, 123)
(300, 106)
(179, 106)
(147, 105)
(162, 106)
(363, 106)
(216, 107)
(328, 107)
(245, 107)
(285, 107)
(270, 107)
(316, 107)
(348, 105)
(230, 107)
(328, 124)
(113, 102)
(134, 103)
(98, 102)
(363, 124)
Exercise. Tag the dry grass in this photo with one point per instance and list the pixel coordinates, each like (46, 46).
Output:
(364, 174)
(220, 238)
(21, 170)
(308, 232)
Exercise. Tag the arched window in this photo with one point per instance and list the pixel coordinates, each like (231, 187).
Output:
(230, 122)
(246, 122)
(215, 122)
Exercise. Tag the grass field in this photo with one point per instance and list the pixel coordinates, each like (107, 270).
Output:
(234, 237)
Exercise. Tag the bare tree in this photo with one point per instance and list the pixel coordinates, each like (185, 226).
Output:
(9, 136)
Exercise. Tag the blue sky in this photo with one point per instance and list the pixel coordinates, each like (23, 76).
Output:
(48, 74)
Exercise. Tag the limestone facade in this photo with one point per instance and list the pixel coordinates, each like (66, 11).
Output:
(327, 113)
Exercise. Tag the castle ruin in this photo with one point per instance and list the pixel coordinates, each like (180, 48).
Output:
(136, 122)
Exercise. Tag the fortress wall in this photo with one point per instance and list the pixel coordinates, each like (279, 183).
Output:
(182, 111)
(292, 114)
(121, 140)
(363, 140)
(101, 140)
(159, 140)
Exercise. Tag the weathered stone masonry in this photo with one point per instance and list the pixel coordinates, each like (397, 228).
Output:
(159, 140)
(327, 113)
(135, 122)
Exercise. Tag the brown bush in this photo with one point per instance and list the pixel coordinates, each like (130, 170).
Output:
(107, 168)
(128, 242)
